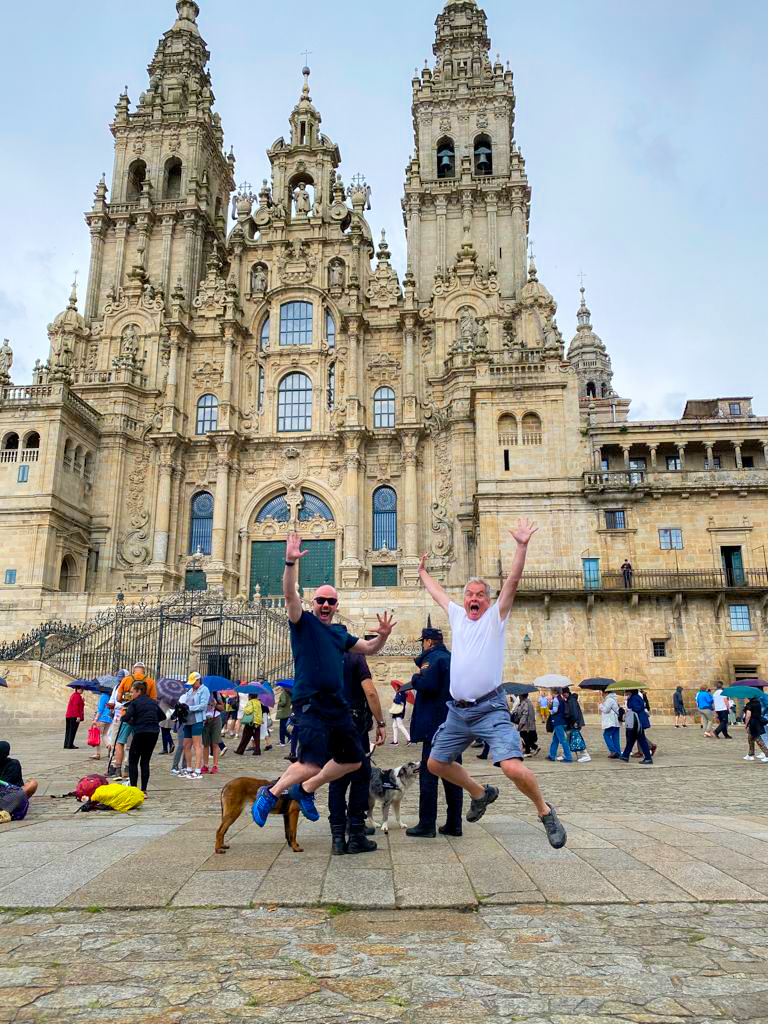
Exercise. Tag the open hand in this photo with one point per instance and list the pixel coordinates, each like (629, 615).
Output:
(293, 547)
(386, 625)
(524, 530)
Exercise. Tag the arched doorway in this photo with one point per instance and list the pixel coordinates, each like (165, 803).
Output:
(69, 577)
(272, 522)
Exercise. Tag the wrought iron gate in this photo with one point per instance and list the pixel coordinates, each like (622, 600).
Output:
(191, 631)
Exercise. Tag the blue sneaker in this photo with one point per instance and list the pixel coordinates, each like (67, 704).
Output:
(262, 805)
(306, 801)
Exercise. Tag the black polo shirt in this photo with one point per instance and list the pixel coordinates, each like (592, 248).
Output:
(318, 653)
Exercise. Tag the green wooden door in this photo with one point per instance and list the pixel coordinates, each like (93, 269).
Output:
(318, 566)
(267, 564)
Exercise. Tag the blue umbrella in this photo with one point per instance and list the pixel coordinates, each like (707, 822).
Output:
(3, 682)
(216, 683)
(266, 697)
(287, 684)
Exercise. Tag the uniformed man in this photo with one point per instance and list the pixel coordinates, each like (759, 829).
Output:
(431, 684)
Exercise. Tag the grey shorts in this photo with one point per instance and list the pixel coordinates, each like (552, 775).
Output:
(488, 721)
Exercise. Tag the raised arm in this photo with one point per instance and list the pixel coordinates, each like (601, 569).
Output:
(434, 589)
(371, 647)
(522, 534)
(293, 553)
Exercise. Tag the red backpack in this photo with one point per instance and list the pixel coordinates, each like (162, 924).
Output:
(88, 785)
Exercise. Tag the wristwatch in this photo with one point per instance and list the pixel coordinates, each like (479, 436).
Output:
(289, 563)
(380, 724)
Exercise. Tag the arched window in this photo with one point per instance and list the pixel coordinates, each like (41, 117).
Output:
(591, 391)
(260, 392)
(531, 428)
(294, 403)
(508, 430)
(201, 523)
(332, 386)
(264, 335)
(207, 414)
(78, 465)
(68, 446)
(32, 440)
(137, 174)
(313, 507)
(68, 576)
(384, 407)
(276, 508)
(296, 323)
(10, 442)
(172, 183)
(88, 466)
(483, 155)
(384, 519)
(330, 329)
(446, 158)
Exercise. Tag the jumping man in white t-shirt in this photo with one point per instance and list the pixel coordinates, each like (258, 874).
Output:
(479, 708)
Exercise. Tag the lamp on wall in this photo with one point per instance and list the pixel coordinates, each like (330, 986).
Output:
(526, 643)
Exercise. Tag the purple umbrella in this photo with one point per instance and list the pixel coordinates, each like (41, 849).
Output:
(169, 689)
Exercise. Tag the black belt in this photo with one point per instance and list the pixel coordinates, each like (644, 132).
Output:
(479, 700)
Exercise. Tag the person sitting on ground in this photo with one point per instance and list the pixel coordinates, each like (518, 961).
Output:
(10, 771)
(329, 741)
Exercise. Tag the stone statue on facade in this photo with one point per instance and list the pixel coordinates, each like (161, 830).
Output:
(553, 341)
(301, 198)
(129, 342)
(259, 280)
(6, 361)
(336, 275)
(467, 330)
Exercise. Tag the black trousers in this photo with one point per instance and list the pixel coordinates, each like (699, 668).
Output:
(70, 729)
(530, 740)
(250, 732)
(283, 730)
(454, 795)
(168, 744)
(348, 796)
(636, 736)
(722, 718)
(142, 745)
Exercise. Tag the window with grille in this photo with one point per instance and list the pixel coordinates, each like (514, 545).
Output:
(207, 414)
(671, 540)
(637, 467)
(276, 508)
(384, 519)
(201, 523)
(738, 615)
(294, 403)
(615, 519)
(384, 408)
(313, 507)
(384, 576)
(659, 648)
(332, 386)
(264, 335)
(605, 465)
(715, 462)
(330, 330)
(296, 323)
(674, 463)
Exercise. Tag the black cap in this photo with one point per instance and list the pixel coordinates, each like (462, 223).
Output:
(431, 634)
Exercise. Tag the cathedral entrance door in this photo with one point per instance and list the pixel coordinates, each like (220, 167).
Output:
(267, 563)
(319, 565)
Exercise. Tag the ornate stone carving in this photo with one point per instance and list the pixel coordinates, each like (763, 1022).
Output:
(384, 289)
(132, 544)
(296, 263)
(212, 294)
(383, 369)
(208, 375)
(6, 361)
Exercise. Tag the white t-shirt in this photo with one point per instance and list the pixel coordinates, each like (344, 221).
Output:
(477, 652)
(721, 702)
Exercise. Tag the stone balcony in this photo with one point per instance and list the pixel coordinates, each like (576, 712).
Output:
(658, 581)
(640, 482)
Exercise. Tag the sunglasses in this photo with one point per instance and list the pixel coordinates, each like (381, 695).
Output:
(327, 600)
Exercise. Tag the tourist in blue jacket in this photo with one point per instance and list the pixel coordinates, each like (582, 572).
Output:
(637, 721)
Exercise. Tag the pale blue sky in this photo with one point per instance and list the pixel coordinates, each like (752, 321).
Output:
(642, 124)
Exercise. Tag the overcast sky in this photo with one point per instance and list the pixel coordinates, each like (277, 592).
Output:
(642, 124)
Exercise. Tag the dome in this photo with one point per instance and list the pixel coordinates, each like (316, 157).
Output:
(534, 292)
(70, 319)
(585, 338)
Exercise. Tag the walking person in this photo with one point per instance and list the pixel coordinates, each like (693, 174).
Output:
(706, 707)
(432, 685)
(720, 704)
(123, 696)
(575, 721)
(196, 699)
(679, 708)
(212, 733)
(397, 711)
(524, 717)
(557, 725)
(73, 716)
(543, 708)
(478, 709)
(348, 796)
(144, 715)
(266, 728)
(610, 717)
(283, 713)
(755, 724)
(250, 723)
(636, 721)
(102, 719)
(329, 742)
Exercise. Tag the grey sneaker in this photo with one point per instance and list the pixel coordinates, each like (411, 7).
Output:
(556, 833)
(478, 807)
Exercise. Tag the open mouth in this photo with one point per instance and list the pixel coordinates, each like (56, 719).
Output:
(474, 606)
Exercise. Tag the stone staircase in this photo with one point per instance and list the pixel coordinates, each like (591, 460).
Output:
(36, 695)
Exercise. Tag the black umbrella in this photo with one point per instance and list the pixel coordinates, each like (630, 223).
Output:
(596, 683)
(519, 689)
(90, 685)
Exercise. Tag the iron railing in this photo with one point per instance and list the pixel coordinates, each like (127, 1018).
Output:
(645, 580)
(188, 632)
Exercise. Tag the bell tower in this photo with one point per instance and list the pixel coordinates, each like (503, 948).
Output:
(171, 181)
(466, 182)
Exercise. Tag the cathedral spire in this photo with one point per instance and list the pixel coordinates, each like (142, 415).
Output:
(589, 357)
(186, 21)
(583, 317)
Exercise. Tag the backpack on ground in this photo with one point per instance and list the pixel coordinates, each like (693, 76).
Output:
(85, 787)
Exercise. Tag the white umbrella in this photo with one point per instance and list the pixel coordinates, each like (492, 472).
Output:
(552, 681)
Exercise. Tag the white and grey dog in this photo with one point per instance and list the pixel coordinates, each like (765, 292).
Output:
(388, 787)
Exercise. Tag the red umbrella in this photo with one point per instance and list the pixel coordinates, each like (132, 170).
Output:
(410, 696)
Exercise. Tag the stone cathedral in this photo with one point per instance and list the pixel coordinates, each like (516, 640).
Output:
(244, 362)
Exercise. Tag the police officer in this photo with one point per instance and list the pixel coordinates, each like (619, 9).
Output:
(348, 796)
(431, 684)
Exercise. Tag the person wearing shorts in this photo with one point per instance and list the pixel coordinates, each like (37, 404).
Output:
(478, 708)
(328, 740)
(212, 725)
(196, 699)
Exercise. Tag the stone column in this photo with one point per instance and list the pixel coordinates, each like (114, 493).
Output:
(167, 223)
(410, 573)
(681, 454)
(226, 390)
(710, 455)
(169, 406)
(189, 256)
(94, 270)
(353, 379)
(737, 452)
(625, 450)
(351, 564)
(244, 560)
(597, 459)
(410, 379)
(653, 448)
(765, 451)
(493, 245)
(441, 207)
(520, 236)
(219, 545)
(166, 466)
(121, 231)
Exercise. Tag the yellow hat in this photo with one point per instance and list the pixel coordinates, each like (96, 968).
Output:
(194, 677)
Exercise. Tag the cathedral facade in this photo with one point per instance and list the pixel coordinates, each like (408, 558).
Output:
(244, 363)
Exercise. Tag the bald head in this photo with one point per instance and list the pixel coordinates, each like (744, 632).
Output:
(324, 603)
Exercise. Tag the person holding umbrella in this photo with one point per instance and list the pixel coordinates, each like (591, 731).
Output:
(609, 723)
(73, 716)
(524, 717)
(636, 721)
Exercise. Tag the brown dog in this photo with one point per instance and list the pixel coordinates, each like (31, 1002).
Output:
(234, 795)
